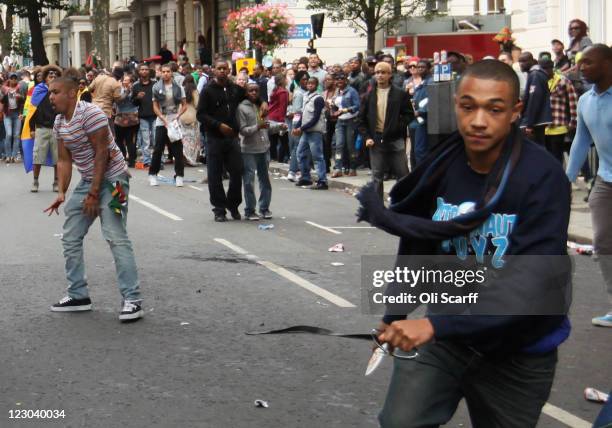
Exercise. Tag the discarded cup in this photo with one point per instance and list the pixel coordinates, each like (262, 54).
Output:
(184, 323)
(338, 248)
(337, 264)
(265, 226)
(592, 394)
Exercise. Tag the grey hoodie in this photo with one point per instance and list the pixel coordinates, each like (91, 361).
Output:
(253, 139)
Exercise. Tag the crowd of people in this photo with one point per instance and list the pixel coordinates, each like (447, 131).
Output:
(342, 119)
(367, 113)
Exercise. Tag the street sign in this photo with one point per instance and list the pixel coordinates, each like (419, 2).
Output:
(249, 63)
(301, 31)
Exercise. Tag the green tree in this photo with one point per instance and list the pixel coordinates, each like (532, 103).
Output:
(33, 10)
(369, 16)
(21, 44)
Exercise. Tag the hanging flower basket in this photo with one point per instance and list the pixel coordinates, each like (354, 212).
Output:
(269, 26)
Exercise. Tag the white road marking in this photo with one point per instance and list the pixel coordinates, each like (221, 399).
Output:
(565, 417)
(352, 227)
(231, 246)
(305, 284)
(196, 188)
(328, 229)
(155, 208)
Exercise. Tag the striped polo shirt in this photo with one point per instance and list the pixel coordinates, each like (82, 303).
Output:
(87, 119)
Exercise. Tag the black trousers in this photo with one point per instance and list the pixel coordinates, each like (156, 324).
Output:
(124, 136)
(175, 149)
(328, 138)
(555, 144)
(539, 135)
(224, 152)
(279, 147)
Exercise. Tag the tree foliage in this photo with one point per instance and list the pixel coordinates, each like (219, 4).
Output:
(34, 11)
(369, 16)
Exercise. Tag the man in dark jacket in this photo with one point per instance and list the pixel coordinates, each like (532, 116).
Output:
(41, 124)
(383, 121)
(142, 96)
(217, 115)
(536, 111)
(499, 353)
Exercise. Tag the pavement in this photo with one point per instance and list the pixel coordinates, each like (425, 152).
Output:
(189, 363)
(580, 228)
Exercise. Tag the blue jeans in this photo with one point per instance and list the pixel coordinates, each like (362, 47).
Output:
(256, 162)
(314, 142)
(113, 230)
(345, 136)
(421, 144)
(147, 138)
(12, 127)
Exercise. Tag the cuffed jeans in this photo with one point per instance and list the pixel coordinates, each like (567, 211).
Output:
(147, 138)
(12, 128)
(389, 156)
(314, 142)
(425, 391)
(600, 203)
(113, 230)
(256, 162)
(345, 136)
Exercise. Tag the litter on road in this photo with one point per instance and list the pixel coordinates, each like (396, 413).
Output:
(592, 394)
(265, 226)
(338, 248)
(261, 403)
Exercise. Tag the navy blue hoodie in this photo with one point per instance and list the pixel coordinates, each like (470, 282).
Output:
(534, 203)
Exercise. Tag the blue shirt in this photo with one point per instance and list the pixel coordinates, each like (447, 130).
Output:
(594, 125)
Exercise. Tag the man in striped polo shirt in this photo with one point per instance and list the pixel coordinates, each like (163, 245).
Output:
(84, 137)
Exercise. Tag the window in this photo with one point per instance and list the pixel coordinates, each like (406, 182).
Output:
(437, 5)
(476, 7)
(495, 6)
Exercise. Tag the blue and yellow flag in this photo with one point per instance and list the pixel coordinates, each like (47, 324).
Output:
(35, 96)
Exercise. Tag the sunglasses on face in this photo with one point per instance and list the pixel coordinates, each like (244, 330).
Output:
(412, 66)
(52, 74)
(575, 28)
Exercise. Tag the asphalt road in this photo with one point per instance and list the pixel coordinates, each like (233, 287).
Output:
(161, 372)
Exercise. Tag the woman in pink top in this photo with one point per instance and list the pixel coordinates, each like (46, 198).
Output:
(279, 100)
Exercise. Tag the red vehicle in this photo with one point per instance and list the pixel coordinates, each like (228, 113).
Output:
(477, 44)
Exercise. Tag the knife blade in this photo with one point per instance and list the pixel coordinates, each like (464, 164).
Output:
(377, 357)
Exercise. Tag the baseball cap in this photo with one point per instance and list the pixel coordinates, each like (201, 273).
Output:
(556, 41)
(457, 54)
(371, 60)
(340, 76)
(13, 75)
(546, 63)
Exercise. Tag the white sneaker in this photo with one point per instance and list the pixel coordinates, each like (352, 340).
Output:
(179, 181)
(291, 176)
(153, 180)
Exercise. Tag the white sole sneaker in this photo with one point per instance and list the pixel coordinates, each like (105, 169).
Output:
(81, 308)
(179, 181)
(131, 317)
(153, 181)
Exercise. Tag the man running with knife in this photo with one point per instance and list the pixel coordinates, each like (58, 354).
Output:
(486, 191)
(84, 137)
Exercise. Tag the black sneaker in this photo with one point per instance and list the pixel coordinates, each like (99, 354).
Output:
(131, 311)
(68, 304)
(302, 182)
(235, 214)
(267, 214)
(251, 216)
(321, 185)
(220, 218)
